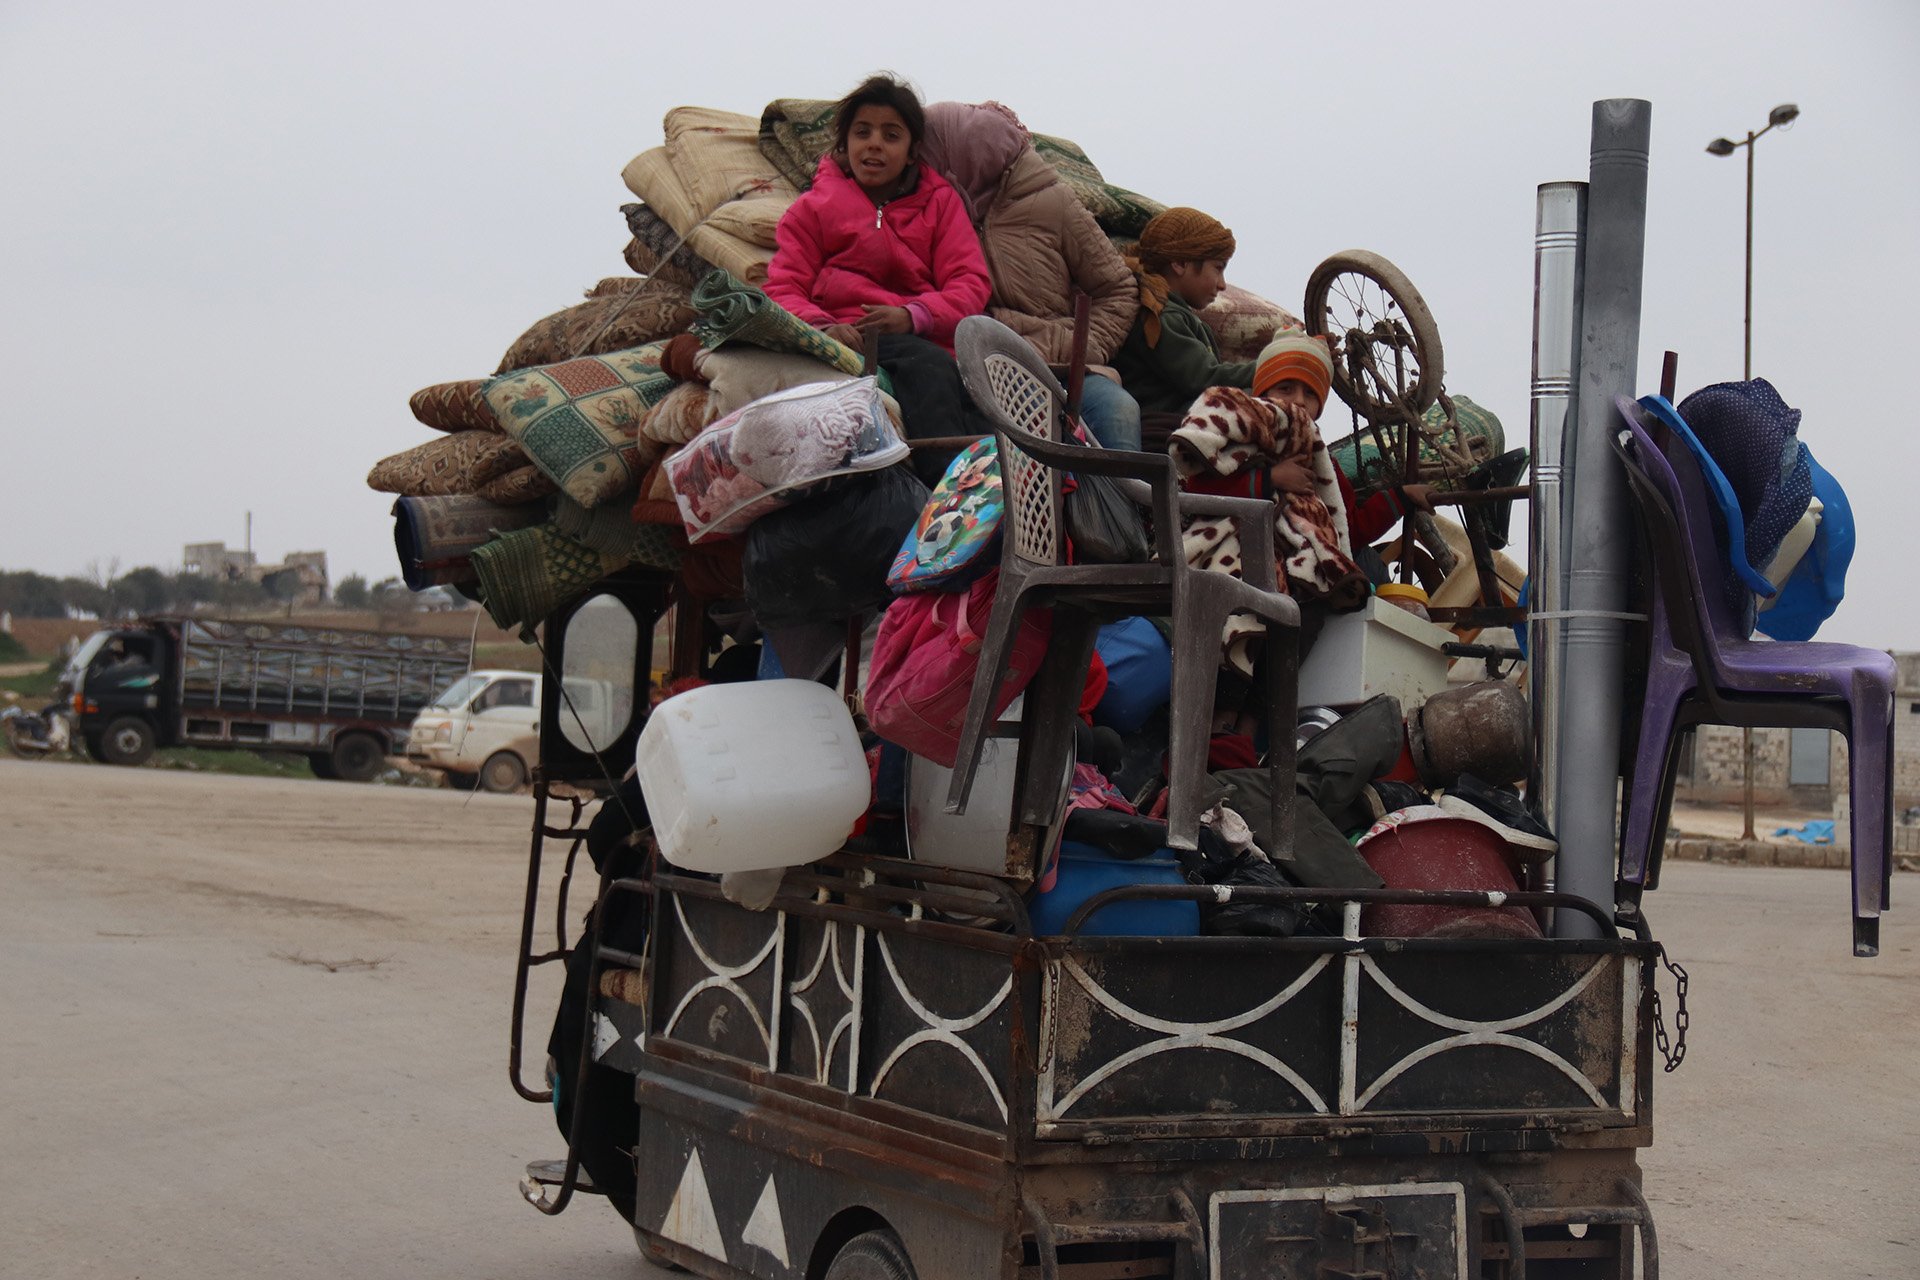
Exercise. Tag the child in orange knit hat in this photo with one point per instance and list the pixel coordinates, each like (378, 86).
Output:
(1295, 371)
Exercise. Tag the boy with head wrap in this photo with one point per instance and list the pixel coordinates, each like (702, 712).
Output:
(1170, 355)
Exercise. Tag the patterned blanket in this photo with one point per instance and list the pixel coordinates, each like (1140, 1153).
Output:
(619, 313)
(453, 406)
(579, 420)
(734, 312)
(796, 132)
(457, 463)
(1229, 432)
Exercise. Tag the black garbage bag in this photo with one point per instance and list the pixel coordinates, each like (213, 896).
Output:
(1104, 524)
(1216, 862)
(825, 559)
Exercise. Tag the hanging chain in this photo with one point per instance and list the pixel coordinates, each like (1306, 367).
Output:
(1674, 1050)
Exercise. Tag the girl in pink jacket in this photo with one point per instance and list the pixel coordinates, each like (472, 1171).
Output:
(879, 243)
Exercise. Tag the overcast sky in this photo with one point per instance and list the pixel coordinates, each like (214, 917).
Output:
(237, 236)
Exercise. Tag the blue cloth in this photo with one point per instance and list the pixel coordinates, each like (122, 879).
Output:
(1818, 583)
(1819, 831)
(1110, 413)
(1732, 520)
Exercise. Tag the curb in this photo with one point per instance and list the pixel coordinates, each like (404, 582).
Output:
(1770, 853)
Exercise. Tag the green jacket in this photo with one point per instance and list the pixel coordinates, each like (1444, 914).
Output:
(1170, 375)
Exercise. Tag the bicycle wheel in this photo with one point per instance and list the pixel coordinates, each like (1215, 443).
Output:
(1388, 364)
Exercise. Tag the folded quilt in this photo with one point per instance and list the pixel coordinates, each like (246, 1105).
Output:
(733, 188)
(453, 406)
(455, 463)
(579, 420)
(651, 176)
(731, 311)
(1243, 323)
(618, 314)
(520, 485)
(681, 415)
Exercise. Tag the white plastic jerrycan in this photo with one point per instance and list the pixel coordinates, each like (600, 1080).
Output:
(751, 776)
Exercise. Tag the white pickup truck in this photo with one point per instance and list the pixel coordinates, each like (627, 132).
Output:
(484, 729)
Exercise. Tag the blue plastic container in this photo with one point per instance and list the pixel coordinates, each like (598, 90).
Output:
(1139, 673)
(1086, 870)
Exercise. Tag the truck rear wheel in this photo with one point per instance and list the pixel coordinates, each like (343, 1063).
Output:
(503, 772)
(128, 740)
(357, 757)
(873, 1255)
(322, 764)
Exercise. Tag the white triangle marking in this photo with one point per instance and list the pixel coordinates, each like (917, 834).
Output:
(765, 1228)
(690, 1219)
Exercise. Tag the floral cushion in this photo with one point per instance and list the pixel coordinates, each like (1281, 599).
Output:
(579, 420)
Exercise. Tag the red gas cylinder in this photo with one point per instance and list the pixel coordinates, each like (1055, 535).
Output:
(1425, 847)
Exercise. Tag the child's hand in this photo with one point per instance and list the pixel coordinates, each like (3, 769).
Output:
(886, 320)
(1417, 497)
(845, 334)
(1291, 477)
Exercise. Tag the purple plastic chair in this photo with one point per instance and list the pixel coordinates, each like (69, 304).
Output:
(1702, 668)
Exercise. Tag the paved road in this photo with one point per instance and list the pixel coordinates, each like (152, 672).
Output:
(185, 1091)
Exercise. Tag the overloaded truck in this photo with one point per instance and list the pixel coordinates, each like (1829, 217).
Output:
(342, 698)
(814, 1028)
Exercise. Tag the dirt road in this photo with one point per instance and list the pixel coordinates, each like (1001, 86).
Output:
(258, 1028)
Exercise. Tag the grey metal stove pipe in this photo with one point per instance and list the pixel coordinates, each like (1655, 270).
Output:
(1559, 217)
(1596, 536)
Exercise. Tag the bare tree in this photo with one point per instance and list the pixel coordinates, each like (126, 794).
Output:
(105, 576)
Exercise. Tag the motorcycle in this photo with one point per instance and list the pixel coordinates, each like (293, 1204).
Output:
(44, 734)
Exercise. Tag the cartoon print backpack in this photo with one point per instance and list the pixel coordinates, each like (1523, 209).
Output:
(957, 537)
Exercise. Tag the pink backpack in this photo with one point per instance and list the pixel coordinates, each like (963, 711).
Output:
(925, 661)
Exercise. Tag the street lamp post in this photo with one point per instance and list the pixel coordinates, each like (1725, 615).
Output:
(1780, 116)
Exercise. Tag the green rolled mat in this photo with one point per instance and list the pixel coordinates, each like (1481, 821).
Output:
(527, 574)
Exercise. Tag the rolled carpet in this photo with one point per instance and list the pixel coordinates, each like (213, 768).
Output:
(434, 537)
(528, 573)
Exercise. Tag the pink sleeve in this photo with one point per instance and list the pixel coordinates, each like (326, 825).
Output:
(961, 283)
(797, 258)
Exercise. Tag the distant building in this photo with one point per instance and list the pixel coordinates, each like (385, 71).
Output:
(302, 576)
(215, 560)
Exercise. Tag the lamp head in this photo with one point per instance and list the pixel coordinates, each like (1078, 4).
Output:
(1720, 147)
(1785, 113)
